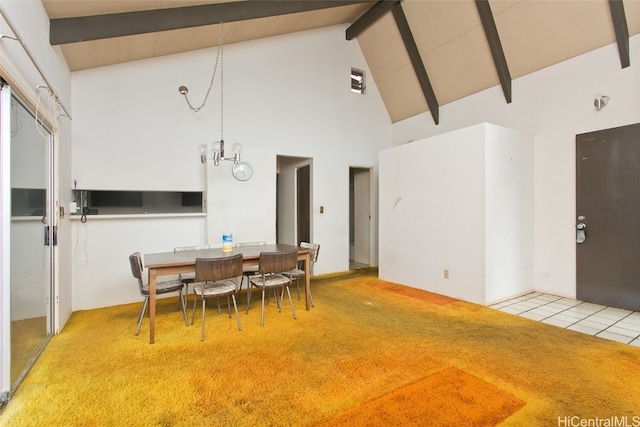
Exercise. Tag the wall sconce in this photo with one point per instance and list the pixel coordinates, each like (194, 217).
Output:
(601, 101)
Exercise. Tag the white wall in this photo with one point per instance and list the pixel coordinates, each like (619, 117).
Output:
(508, 213)
(459, 205)
(101, 271)
(246, 209)
(554, 104)
(287, 95)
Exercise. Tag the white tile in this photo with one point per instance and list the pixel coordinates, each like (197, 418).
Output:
(543, 311)
(614, 337)
(622, 331)
(556, 322)
(529, 304)
(582, 310)
(632, 320)
(533, 316)
(589, 324)
(592, 306)
(593, 319)
(570, 317)
(500, 305)
(584, 329)
(557, 306)
(618, 311)
(511, 310)
(609, 318)
(543, 298)
(632, 327)
(567, 302)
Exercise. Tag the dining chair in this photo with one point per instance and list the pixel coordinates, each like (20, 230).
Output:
(215, 278)
(249, 270)
(274, 272)
(188, 278)
(164, 287)
(298, 273)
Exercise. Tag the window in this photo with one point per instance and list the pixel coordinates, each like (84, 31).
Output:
(99, 202)
(357, 81)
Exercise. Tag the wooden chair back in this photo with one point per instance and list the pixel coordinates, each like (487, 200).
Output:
(214, 269)
(278, 262)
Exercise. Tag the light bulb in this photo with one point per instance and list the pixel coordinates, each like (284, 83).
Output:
(202, 149)
(216, 147)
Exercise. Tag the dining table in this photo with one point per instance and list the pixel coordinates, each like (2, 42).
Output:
(172, 263)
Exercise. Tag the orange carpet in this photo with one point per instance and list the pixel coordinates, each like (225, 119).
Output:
(370, 353)
(450, 397)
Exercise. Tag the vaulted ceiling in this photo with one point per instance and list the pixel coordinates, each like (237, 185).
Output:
(422, 53)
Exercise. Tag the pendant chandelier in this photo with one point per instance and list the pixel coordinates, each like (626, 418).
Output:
(215, 151)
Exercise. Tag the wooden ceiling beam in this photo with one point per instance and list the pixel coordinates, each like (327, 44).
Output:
(490, 30)
(416, 61)
(85, 28)
(369, 17)
(622, 32)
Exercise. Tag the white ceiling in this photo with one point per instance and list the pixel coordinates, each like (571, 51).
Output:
(449, 36)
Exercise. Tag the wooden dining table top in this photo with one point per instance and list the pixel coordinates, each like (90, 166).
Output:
(187, 258)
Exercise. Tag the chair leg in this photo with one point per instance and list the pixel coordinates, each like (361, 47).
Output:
(298, 287)
(229, 306)
(184, 309)
(195, 301)
(144, 308)
(262, 312)
(291, 303)
(235, 307)
(248, 296)
(203, 312)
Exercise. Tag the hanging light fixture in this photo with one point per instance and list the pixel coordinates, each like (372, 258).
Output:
(215, 151)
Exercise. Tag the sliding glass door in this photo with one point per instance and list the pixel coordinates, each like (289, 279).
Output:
(27, 219)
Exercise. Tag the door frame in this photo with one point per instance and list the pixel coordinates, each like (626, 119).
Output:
(50, 219)
(362, 209)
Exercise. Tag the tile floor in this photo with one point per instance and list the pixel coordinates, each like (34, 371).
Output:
(601, 321)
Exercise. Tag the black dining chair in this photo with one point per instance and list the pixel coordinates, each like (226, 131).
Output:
(216, 278)
(274, 272)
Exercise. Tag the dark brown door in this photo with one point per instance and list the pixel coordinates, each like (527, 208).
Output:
(303, 184)
(608, 217)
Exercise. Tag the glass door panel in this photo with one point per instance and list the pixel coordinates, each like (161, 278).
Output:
(30, 235)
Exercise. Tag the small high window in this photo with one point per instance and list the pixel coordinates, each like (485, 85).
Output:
(357, 81)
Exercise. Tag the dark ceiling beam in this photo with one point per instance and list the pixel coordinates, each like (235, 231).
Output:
(490, 30)
(369, 17)
(416, 60)
(622, 32)
(85, 28)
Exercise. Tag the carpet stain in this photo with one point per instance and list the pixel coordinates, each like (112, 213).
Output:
(448, 397)
(414, 293)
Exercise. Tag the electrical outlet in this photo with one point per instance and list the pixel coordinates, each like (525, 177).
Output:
(446, 273)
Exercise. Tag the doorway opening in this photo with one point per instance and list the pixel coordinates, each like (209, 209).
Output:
(294, 200)
(360, 198)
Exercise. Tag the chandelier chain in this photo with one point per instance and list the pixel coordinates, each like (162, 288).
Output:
(213, 75)
(221, 53)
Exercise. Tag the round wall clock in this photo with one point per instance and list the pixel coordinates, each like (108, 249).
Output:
(242, 171)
